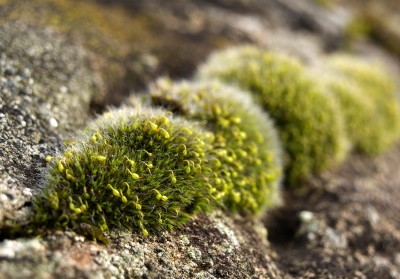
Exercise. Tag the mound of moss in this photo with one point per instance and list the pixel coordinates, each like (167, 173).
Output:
(369, 102)
(357, 111)
(309, 122)
(136, 169)
(248, 163)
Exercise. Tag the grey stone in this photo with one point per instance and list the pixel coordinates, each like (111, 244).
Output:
(45, 90)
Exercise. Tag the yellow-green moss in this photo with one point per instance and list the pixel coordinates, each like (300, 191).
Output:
(140, 170)
(357, 110)
(248, 161)
(309, 122)
(368, 98)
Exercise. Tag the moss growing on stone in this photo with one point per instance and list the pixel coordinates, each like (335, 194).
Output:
(309, 122)
(368, 98)
(248, 163)
(136, 169)
(357, 111)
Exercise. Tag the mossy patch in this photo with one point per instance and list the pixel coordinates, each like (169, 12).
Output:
(357, 110)
(368, 98)
(139, 169)
(248, 163)
(309, 122)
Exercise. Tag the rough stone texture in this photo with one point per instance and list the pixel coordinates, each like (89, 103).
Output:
(346, 225)
(133, 42)
(45, 90)
(213, 246)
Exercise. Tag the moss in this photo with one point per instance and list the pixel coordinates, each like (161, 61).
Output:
(358, 28)
(309, 122)
(378, 22)
(368, 96)
(135, 169)
(357, 111)
(324, 3)
(248, 161)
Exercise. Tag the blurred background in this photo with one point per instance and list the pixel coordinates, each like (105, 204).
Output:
(130, 43)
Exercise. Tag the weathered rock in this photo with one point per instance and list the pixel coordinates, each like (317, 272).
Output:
(345, 227)
(133, 42)
(45, 90)
(213, 246)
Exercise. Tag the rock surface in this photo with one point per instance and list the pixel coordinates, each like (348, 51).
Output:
(45, 90)
(346, 226)
(213, 246)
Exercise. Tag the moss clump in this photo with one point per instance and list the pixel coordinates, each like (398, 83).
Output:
(309, 123)
(248, 164)
(357, 111)
(136, 169)
(367, 95)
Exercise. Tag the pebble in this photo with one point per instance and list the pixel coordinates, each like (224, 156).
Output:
(64, 89)
(9, 72)
(7, 250)
(53, 122)
(3, 198)
(306, 216)
(27, 192)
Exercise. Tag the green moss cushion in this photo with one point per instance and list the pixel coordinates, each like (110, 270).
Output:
(138, 169)
(368, 98)
(309, 122)
(248, 161)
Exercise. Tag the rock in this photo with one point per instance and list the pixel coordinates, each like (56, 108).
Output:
(213, 246)
(347, 225)
(131, 43)
(45, 91)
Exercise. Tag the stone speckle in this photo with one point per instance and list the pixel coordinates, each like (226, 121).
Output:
(37, 110)
(200, 252)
